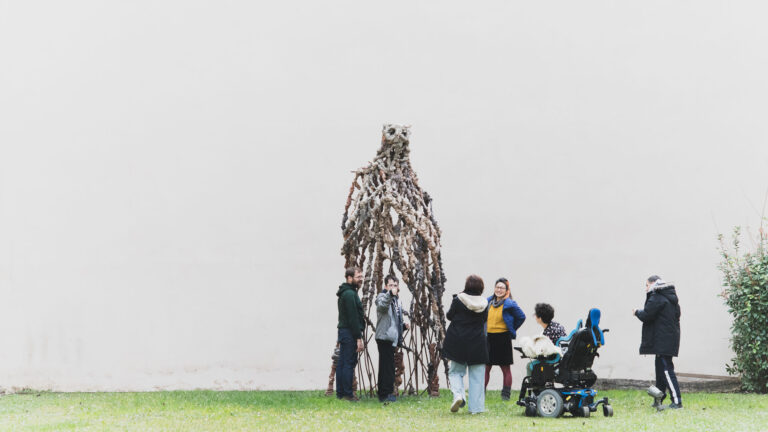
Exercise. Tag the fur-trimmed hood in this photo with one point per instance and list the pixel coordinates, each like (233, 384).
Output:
(473, 303)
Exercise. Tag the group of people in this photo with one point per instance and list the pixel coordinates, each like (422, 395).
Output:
(480, 336)
(390, 326)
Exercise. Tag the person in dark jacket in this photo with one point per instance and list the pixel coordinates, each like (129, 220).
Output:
(504, 318)
(465, 345)
(350, 332)
(661, 334)
(389, 335)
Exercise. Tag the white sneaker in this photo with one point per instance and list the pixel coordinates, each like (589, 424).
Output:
(457, 403)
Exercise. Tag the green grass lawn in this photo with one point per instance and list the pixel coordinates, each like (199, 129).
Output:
(311, 411)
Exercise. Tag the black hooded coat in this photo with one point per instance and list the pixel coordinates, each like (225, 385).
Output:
(465, 340)
(661, 322)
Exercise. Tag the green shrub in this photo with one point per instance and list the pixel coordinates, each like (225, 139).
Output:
(745, 278)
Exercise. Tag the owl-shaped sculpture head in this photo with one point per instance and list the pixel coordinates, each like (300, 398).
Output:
(392, 133)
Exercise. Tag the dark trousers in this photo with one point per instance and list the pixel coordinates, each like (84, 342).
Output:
(345, 367)
(386, 368)
(666, 380)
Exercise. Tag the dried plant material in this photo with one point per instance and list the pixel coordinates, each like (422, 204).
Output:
(389, 228)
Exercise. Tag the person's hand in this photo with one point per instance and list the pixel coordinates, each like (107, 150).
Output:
(407, 326)
(634, 312)
(359, 345)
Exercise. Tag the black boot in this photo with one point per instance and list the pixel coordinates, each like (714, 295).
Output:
(505, 392)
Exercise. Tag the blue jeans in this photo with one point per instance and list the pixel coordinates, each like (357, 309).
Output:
(476, 401)
(345, 367)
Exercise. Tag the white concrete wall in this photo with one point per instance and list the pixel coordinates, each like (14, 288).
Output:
(174, 172)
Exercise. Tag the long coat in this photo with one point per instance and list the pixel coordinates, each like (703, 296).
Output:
(465, 339)
(661, 322)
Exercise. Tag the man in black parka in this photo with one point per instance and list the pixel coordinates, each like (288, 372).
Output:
(661, 334)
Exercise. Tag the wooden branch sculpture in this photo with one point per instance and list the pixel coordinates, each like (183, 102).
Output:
(389, 227)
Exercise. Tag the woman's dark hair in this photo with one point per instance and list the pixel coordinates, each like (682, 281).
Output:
(474, 285)
(390, 278)
(653, 278)
(545, 311)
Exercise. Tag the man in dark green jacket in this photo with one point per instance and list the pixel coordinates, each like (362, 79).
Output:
(351, 326)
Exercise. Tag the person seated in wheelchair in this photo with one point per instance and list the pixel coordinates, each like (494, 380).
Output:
(553, 330)
(568, 364)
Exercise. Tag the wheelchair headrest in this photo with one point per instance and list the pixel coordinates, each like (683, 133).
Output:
(593, 323)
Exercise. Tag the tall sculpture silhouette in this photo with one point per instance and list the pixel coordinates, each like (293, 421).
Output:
(389, 228)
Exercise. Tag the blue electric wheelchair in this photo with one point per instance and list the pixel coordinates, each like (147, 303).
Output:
(560, 384)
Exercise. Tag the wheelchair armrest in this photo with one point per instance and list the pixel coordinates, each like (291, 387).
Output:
(520, 350)
(548, 358)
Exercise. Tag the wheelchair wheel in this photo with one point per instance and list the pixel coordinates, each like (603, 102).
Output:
(607, 410)
(530, 410)
(585, 411)
(549, 403)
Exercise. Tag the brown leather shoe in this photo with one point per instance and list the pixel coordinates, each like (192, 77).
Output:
(351, 398)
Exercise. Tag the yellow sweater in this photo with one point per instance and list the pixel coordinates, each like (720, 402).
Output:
(496, 322)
